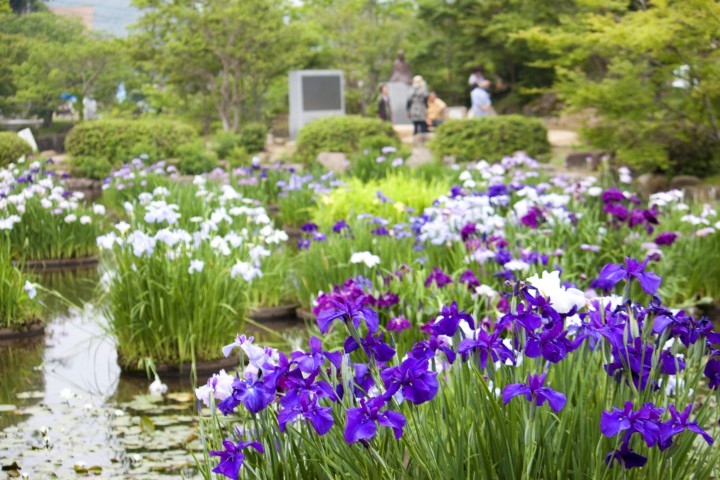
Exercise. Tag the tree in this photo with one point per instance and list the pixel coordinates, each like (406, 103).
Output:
(361, 37)
(652, 75)
(229, 51)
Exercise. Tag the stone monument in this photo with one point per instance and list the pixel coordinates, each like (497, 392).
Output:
(314, 94)
(399, 89)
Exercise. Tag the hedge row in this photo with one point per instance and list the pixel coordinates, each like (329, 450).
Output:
(491, 138)
(12, 148)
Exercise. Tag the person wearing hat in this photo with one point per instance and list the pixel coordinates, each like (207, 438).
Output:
(417, 105)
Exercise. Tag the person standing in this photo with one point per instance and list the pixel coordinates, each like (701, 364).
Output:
(384, 111)
(481, 105)
(477, 76)
(417, 105)
(435, 110)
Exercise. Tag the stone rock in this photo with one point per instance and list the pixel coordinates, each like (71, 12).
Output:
(563, 138)
(543, 106)
(702, 193)
(682, 181)
(649, 183)
(449, 160)
(419, 156)
(589, 160)
(336, 162)
(91, 189)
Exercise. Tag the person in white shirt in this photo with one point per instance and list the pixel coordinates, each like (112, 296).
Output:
(476, 76)
(481, 105)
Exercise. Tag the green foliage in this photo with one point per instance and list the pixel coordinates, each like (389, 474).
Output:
(338, 134)
(12, 148)
(376, 163)
(378, 142)
(224, 143)
(16, 307)
(651, 76)
(223, 56)
(239, 157)
(86, 166)
(118, 139)
(253, 136)
(194, 159)
(491, 138)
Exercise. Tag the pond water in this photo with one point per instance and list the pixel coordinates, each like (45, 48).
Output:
(66, 410)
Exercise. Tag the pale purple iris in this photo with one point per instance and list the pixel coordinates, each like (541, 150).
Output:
(232, 458)
(534, 391)
(468, 276)
(398, 324)
(310, 362)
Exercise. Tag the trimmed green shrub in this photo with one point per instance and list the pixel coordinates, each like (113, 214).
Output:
(194, 159)
(253, 136)
(12, 148)
(96, 168)
(338, 134)
(119, 140)
(491, 138)
(239, 157)
(224, 143)
(377, 143)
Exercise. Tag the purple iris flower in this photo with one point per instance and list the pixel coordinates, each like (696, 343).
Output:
(380, 232)
(346, 309)
(497, 190)
(645, 421)
(613, 273)
(413, 379)
(254, 394)
(319, 237)
(373, 346)
(383, 198)
(666, 238)
(503, 256)
(303, 243)
(276, 376)
(532, 218)
(616, 210)
(635, 357)
(362, 421)
(625, 457)
(363, 380)
(449, 319)
(387, 300)
(612, 195)
(305, 404)
(678, 423)
(426, 349)
(670, 364)
(340, 225)
(468, 231)
(712, 372)
(310, 362)
(468, 276)
(456, 191)
(487, 346)
(534, 391)
(551, 343)
(439, 277)
(231, 459)
(309, 227)
(525, 317)
(398, 324)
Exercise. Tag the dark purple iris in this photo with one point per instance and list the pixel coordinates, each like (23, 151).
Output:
(373, 345)
(645, 421)
(309, 227)
(534, 391)
(468, 231)
(426, 349)
(634, 359)
(497, 190)
(362, 421)
(712, 372)
(666, 238)
(468, 277)
(625, 457)
(532, 218)
(380, 232)
(412, 379)
(486, 346)
(551, 343)
(231, 459)
(439, 277)
(678, 423)
(614, 274)
(340, 225)
(449, 319)
(347, 309)
(387, 300)
(612, 195)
